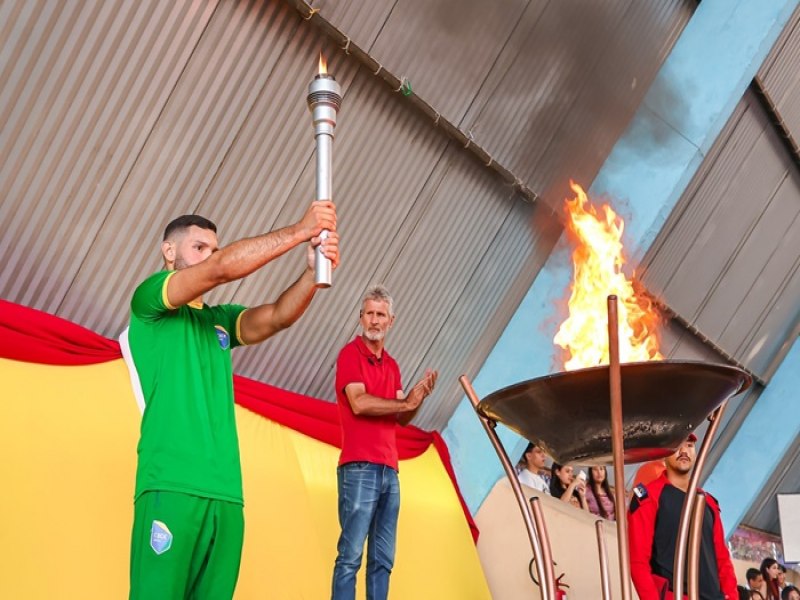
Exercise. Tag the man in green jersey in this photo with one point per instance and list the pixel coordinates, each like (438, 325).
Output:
(188, 509)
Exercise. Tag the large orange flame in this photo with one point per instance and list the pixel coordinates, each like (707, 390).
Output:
(598, 260)
(323, 65)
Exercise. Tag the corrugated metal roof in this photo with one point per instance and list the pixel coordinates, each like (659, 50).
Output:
(362, 21)
(117, 116)
(531, 82)
(568, 79)
(446, 48)
(779, 73)
(82, 90)
(727, 259)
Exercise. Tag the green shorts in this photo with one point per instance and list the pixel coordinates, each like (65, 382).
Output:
(185, 546)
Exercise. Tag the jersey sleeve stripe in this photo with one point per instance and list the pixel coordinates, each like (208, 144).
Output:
(164, 297)
(239, 328)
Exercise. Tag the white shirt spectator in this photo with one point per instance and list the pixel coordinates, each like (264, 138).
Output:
(534, 480)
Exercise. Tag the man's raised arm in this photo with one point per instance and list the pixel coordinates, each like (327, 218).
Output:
(245, 256)
(260, 322)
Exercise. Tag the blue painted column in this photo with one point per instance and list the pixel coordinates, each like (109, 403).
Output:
(694, 94)
(771, 426)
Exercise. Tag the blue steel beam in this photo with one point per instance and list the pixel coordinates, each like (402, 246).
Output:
(771, 426)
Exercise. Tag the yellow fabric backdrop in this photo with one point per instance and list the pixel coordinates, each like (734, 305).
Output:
(68, 446)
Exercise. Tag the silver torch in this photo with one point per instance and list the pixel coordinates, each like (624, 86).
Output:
(324, 99)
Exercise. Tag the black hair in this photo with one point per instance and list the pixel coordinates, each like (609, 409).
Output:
(752, 573)
(772, 585)
(557, 488)
(606, 488)
(744, 593)
(186, 221)
(522, 463)
(788, 590)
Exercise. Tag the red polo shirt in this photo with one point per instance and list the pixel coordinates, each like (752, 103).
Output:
(364, 438)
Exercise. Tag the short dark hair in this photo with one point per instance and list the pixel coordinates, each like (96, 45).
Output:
(186, 221)
(752, 574)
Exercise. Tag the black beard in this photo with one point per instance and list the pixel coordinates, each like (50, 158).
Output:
(684, 470)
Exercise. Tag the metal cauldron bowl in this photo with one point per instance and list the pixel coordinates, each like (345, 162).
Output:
(569, 414)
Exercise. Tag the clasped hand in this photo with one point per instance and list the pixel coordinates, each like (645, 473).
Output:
(422, 389)
(321, 216)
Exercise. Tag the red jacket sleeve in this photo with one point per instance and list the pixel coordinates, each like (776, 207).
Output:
(727, 576)
(641, 528)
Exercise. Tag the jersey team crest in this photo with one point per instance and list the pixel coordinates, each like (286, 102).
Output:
(160, 537)
(223, 337)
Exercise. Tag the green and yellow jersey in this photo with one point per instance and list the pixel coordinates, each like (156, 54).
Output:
(181, 357)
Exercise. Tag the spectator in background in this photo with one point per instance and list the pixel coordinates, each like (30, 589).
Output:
(781, 578)
(599, 497)
(747, 594)
(790, 593)
(530, 467)
(770, 570)
(567, 487)
(744, 593)
(755, 583)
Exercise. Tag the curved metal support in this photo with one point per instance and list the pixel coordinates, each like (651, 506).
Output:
(688, 502)
(544, 541)
(548, 593)
(617, 446)
(695, 534)
(605, 582)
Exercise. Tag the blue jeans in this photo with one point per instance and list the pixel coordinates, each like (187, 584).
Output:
(369, 502)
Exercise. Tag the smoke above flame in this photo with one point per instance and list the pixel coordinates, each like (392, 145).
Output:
(597, 261)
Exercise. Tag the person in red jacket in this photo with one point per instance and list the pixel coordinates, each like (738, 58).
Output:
(653, 520)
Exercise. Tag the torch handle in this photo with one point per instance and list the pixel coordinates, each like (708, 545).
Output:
(322, 265)
(323, 270)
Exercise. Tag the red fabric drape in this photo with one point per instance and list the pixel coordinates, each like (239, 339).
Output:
(315, 418)
(30, 335)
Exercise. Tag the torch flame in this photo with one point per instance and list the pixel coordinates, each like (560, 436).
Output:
(323, 65)
(598, 260)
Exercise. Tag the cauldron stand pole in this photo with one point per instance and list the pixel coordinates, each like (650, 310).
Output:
(695, 534)
(543, 570)
(617, 447)
(605, 582)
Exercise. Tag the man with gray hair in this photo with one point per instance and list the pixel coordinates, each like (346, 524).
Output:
(371, 403)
